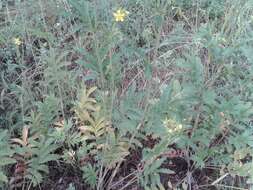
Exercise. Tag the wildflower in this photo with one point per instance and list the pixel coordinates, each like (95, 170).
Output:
(17, 41)
(120, 15)
(172, 126)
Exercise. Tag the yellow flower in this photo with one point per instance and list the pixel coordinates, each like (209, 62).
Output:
(17, 41)
(172, 126)
(120, 15)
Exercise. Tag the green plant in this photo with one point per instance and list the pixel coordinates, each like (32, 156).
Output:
(6, 154)
(90, 175)
(165, 93)
(104, 146)
(152, 166)
(33, 153)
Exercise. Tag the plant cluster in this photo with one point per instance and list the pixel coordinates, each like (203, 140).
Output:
(129, 94)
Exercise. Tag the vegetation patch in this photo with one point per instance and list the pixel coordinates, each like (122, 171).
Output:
(126, 94)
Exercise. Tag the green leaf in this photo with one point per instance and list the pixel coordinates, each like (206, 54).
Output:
(5, 151)
(6, 161)
(3, 135)
(34, 176)
(90, 175)
(49, 157)
(166, 171)
(209, 97)
(127, 126)
(3, 177)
